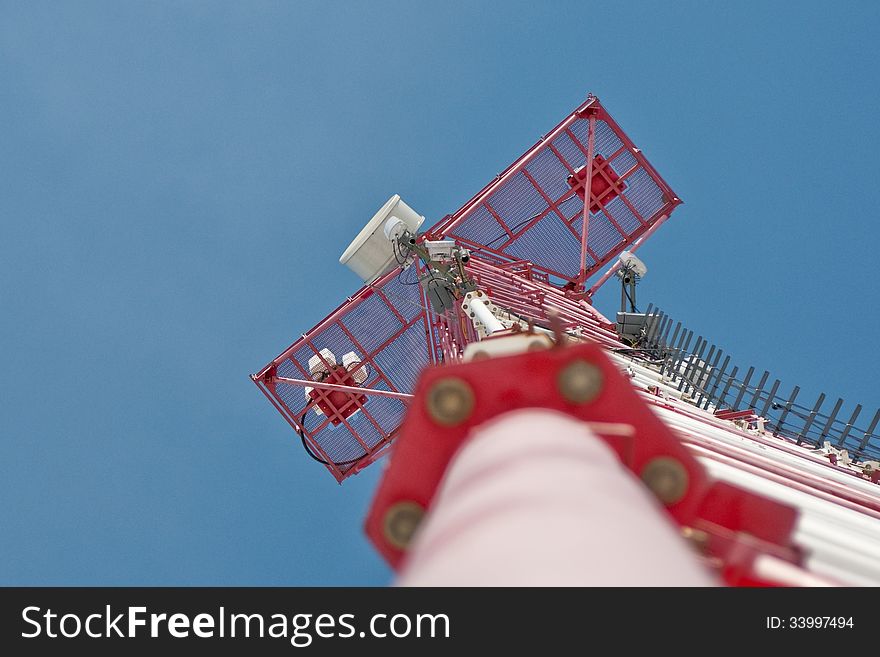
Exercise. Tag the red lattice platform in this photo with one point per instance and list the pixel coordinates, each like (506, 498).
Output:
(534, 209)
(524, 230)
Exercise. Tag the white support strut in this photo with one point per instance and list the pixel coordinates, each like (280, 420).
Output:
(485, 316)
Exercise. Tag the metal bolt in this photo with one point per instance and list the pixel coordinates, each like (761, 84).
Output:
(697, 538)
(667, 479)
(401, 521)
(450, 401)
(579, 382)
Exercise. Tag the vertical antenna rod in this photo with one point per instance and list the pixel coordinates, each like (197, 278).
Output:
(588, 198)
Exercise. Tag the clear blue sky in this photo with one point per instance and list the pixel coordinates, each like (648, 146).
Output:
(177, 181)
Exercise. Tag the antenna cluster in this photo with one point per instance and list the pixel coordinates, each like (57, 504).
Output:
(705, 373)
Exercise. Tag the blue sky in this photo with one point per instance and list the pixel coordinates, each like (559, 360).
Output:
(177, 181)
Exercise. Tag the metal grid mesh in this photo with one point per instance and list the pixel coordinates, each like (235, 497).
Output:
(533, 213)
(385, 325)
(534, 300)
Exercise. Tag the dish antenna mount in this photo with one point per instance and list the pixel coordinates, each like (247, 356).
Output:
(631, 271)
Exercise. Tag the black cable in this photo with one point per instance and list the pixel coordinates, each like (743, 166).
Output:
(401, 260)
(402, 282)
(631, 302)
(488, 244)
(512, 230)
(398, 256)
(309, 451)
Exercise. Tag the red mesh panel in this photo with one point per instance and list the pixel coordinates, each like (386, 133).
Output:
(605, 185)
(524, 227)
(532, 212)
(385, 325)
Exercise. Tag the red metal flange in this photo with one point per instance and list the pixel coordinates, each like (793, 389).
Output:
(728, 524)
(605, 184)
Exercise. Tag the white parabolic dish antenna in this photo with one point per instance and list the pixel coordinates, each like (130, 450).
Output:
(629, 261)
(371, 253)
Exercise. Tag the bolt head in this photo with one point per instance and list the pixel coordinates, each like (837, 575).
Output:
(579, 382)
(450, 401)
(667, 478)
(697, 538)
(400, 523)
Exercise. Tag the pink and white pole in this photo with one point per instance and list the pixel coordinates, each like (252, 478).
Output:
(535, 498)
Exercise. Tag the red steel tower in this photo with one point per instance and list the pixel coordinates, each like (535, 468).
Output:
(534, 441)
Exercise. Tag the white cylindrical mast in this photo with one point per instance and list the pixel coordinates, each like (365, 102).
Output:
(536, 498)
(482, 313)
